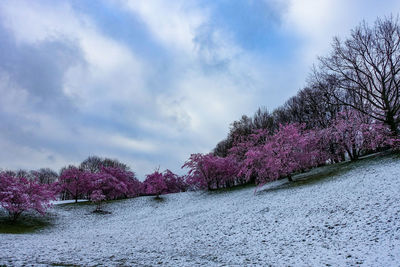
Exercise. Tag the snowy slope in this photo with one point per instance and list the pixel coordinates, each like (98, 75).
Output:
(349, 219)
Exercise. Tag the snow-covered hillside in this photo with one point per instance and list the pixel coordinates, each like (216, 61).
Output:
(350, 218)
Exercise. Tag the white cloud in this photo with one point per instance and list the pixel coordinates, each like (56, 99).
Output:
(20, 156)
(173, 23)
(111, 140)
(317, 22)
(200, 104)
(13, 98)
(108, 62)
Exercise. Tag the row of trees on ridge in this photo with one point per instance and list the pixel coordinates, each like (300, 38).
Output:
(95, 179)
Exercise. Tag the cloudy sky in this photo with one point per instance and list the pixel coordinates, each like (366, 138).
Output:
(151, 81)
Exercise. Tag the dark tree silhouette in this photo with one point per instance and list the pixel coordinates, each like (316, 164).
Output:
(365, 70)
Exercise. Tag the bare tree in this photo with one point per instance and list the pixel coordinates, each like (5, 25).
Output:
(282, 115)
(365, 69)
(240, 128)
(107, 162)
(45, 175)
(262, 119)
(94, 164)
(318, 104)
(91, 164)
(222, 148)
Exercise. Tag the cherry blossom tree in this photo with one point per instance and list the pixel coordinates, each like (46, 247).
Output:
(110, 186)
(18, 194)
(242, 144)
(133, 185)
(211, 172)
(155, 184)
(174, 182)
(76, 182)
(355, 133)
(198, 174)
(113, 181)
(290, 150)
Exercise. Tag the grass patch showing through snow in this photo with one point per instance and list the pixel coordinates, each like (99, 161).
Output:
(321, 174)
(230, 189)
(325, 173)
(25, 224)
(62, 264)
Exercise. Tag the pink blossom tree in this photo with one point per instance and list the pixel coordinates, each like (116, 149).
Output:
(110, 186)
(211, 172)
(242, 144)
(229, 169)
(133, 185)
(356, 134)
(328, 148)
(155, 184)
(111, 183)
(76, 182)
(18, 194)
(198, 174)
(174, 182)
(290, 150)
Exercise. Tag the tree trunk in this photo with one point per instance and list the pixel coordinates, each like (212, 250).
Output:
(289, 177)
(209, 186)
(350, 153)
(354, 153)
(392, 124)
(14, 216)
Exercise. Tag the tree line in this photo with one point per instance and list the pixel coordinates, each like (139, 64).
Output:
(95, 179)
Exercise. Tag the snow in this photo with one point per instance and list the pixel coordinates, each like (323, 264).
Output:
(351, 218)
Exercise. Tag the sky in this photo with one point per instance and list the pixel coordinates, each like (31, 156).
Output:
(148, 81)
